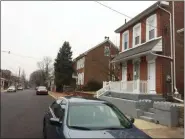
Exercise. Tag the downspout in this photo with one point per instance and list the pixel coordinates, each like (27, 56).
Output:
(174, 68)
(172, 76)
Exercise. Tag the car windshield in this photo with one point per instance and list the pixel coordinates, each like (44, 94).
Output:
(12, 87)
(96, 116)
(42, 88)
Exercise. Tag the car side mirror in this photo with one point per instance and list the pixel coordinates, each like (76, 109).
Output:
(55, 121)
(132, 120)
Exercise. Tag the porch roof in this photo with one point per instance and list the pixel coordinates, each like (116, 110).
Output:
(154, 45)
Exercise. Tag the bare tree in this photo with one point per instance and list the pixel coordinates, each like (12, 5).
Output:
(23, 78)
(46, 66)
(111, 71)
(37, 78)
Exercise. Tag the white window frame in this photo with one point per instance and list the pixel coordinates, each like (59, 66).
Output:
(123, 40)
(152, 17)
(133, 40)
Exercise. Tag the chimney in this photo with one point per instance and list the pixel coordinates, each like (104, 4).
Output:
(125, 21)
(106, 37)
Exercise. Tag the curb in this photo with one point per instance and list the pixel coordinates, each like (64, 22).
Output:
(52, 95)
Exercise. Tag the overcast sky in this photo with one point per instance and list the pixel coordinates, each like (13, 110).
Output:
(39, 28)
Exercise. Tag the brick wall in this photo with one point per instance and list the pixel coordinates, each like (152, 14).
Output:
(97, 65)
(159, 75)
(179, 45)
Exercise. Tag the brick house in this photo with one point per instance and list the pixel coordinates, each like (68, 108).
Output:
(94, 64)
(145, 51)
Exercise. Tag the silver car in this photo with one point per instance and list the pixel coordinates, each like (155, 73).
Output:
(11, 89)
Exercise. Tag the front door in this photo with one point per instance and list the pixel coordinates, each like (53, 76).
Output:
(136, 77)
(151, 78)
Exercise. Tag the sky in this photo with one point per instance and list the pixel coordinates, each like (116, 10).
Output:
(31, 30)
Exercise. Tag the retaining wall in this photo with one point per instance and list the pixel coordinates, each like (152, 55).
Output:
(166, 113)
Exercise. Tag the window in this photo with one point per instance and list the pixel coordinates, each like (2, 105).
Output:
(125, 40)
(96, 116)
(137, 34)
(106, 51)
(80, 63)
(151, 30)
(136, 40)
(151, 34)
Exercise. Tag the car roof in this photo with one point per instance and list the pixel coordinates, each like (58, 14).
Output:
(79, 99)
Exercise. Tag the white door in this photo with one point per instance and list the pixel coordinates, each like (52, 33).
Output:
(151, 78)
(124, 77)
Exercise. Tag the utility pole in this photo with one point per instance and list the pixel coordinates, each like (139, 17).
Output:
(19, 75)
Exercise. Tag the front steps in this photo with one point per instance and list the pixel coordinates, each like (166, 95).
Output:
(148, 115)
(149, 119)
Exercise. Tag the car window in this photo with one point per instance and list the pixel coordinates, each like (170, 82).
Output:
(96, 116)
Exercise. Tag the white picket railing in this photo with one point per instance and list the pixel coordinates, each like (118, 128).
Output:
(102, 90)
(137, 86)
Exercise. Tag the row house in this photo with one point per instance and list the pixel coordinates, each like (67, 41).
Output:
(145, 51)
(94, 64)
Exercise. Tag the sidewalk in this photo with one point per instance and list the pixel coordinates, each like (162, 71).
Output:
(57, 95)
(152, 129)
(159, 131)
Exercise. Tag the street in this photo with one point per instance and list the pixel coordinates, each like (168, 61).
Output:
(22, 114)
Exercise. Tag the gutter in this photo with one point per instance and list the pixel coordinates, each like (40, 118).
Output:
(167, 57)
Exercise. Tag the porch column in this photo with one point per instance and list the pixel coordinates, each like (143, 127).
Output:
(151, 60)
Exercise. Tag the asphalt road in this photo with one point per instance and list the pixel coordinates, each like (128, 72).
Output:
(22, 114)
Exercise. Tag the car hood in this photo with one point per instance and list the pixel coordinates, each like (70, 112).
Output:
(122, 133)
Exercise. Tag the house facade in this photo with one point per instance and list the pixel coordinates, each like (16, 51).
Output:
(145, 51)
(94, 64)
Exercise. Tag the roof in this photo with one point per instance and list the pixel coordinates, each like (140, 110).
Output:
(85, 53)
(138, 17)
(79, 99)
(153, 45)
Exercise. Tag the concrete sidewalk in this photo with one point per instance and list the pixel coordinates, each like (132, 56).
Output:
(152, 129)
(159, 131)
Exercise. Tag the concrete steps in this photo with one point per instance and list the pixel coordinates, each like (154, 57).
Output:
(152, 110)
(149, 114)
(149, 119)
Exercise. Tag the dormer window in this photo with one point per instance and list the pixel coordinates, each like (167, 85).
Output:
(125, 40)
(136, 34)
(151, 27)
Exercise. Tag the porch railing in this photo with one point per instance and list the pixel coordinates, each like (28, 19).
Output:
(100, 92)
(135, 86)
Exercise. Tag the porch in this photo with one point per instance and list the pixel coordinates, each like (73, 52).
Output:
(135, 86)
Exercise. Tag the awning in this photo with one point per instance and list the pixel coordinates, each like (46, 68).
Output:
(143, 49)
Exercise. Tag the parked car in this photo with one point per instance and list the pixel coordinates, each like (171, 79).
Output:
(36, 88)
(11, 89)
(79, 117)
(20, 88)
(42, 90)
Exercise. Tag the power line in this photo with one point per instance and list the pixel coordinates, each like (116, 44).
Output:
(20, 55)
(122, 13)
(113, 9)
